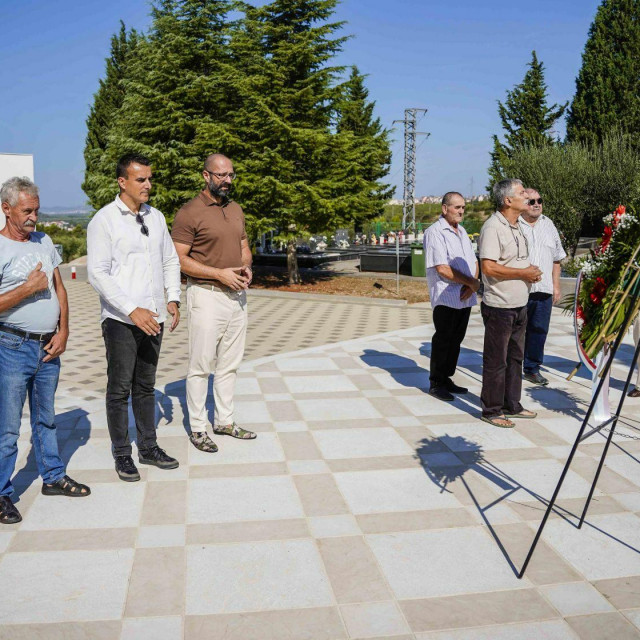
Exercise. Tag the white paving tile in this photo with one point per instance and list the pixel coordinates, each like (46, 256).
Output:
(241, 499)
(168, 535)
(548, 630)
(318, 363)
(576, 599)
(317, 384)
(427, 564)
(361, 443)
(374, 619)
(66, 585)
(337, 409)
(265, 448)
(166, 628)
(255, 576)
(333, 526)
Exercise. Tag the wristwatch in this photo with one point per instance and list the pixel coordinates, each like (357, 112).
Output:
(177, 302)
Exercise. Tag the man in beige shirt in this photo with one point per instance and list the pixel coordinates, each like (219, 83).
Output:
(214, 253)
(507, 275)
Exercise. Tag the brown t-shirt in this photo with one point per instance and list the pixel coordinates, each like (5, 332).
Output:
(213, 232)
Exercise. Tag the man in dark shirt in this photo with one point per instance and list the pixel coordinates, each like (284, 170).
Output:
(214, 253)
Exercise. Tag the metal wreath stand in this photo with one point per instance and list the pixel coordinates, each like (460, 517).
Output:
(601, 375)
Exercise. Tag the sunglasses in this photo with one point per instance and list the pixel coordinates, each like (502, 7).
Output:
(143, 227)
(533, 201)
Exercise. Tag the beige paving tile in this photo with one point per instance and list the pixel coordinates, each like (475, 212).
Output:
(299, 446)
(165, 628)
(334, 526)
(102, 630)
(603, 626)
(373, 619)
(348, 423)
(285, 411)
(472, 610)
(352, 569)
(547, 630)
(74, 539)
(156, 586)
(163, 535)
(319, 495)
(609, 481)
(622, 593)
(566, 506)
(246, 531)
(576, 599)
(297, 624)
(374, 464)
(238, 470)
(415, 520)
(165, 503)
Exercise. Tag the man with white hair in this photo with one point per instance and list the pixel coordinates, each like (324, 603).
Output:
(34, 328)
(547, 252)
(507, 275)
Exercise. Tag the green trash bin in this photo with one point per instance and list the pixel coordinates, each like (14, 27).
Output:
(417, 260)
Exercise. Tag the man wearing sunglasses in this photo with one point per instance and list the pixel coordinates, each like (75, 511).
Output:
(507, 274)
(214, 253)
(131, 262)
(547, 252)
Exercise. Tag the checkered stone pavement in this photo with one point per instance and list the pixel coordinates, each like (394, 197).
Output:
(364, 509)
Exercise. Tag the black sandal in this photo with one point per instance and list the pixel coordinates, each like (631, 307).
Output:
(66, 487)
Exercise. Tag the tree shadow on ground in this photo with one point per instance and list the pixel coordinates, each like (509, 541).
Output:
(450, 459)
(177, 391)
(73, 431)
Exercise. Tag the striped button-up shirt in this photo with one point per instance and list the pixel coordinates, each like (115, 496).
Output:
(444, 246)
(545, 248)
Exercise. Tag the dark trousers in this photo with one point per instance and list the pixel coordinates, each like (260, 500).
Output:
(132, 360)
(451, 327)
(538, 319)
(502, 359)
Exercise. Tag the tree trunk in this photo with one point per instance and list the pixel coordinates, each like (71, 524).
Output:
(292, 263)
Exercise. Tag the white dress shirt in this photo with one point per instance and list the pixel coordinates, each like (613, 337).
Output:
(127, 268)
(545, 248)
(444, 246)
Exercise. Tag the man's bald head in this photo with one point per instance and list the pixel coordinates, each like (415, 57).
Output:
(212, 161)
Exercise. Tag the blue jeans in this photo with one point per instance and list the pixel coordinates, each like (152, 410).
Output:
(538, 318)
(23, 373)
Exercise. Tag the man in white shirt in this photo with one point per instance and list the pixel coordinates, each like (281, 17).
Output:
(131, 261)
(452, 276)
(546, 252)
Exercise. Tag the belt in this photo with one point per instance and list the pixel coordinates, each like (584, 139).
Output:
(211, 287)
(28, 335)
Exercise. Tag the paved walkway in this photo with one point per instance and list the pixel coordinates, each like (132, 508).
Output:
(364, 509)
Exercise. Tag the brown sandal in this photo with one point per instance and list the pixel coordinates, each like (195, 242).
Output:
(634, 393)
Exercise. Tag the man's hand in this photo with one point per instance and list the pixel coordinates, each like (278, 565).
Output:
(57, 346)
(531, 274)
(37, 280)
(233, 278)
(174, 311)
(557, 295)
(248, 274)
(146, 320)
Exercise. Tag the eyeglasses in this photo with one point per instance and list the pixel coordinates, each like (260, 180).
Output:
(143, 227)
(517, 241)
(222, 176)
(533, 201)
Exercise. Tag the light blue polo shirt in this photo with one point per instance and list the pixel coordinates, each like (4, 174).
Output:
(40, 312)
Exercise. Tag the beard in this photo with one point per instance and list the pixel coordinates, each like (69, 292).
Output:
(219, 191)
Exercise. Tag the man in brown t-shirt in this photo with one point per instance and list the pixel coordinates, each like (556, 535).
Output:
(214, 253)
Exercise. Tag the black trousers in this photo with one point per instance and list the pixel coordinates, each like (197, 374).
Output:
(451, 327)
(504, 331)
(132, 360)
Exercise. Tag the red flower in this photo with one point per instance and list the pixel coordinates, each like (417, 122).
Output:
(580, 313)
(599, 289)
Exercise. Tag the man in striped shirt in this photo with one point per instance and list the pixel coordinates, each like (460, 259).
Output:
(452, 276)
(546, 252)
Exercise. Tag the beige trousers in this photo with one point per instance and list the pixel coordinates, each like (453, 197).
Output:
(217, 331)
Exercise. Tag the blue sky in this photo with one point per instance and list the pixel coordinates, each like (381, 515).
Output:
(456, 58)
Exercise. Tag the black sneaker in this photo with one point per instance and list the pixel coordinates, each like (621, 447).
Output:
(441, 393)
(157, 457)
(8, 512)
(452, 387)
(536, 378)
(126, 470)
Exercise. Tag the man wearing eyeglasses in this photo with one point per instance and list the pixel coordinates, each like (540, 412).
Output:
(547, 252)
(131, 262)
(211, 241)
(507, 274)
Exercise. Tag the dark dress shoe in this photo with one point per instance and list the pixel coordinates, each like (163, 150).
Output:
(452, 387)
(126, 470)
(157, 457)
(8, 512)
(536, 378)
(442, 393)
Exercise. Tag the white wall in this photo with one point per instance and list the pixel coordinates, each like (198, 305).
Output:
(14, 164)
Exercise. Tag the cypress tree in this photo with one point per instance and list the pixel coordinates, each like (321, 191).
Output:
(526, 118)
(608, 84)
(106, 103)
